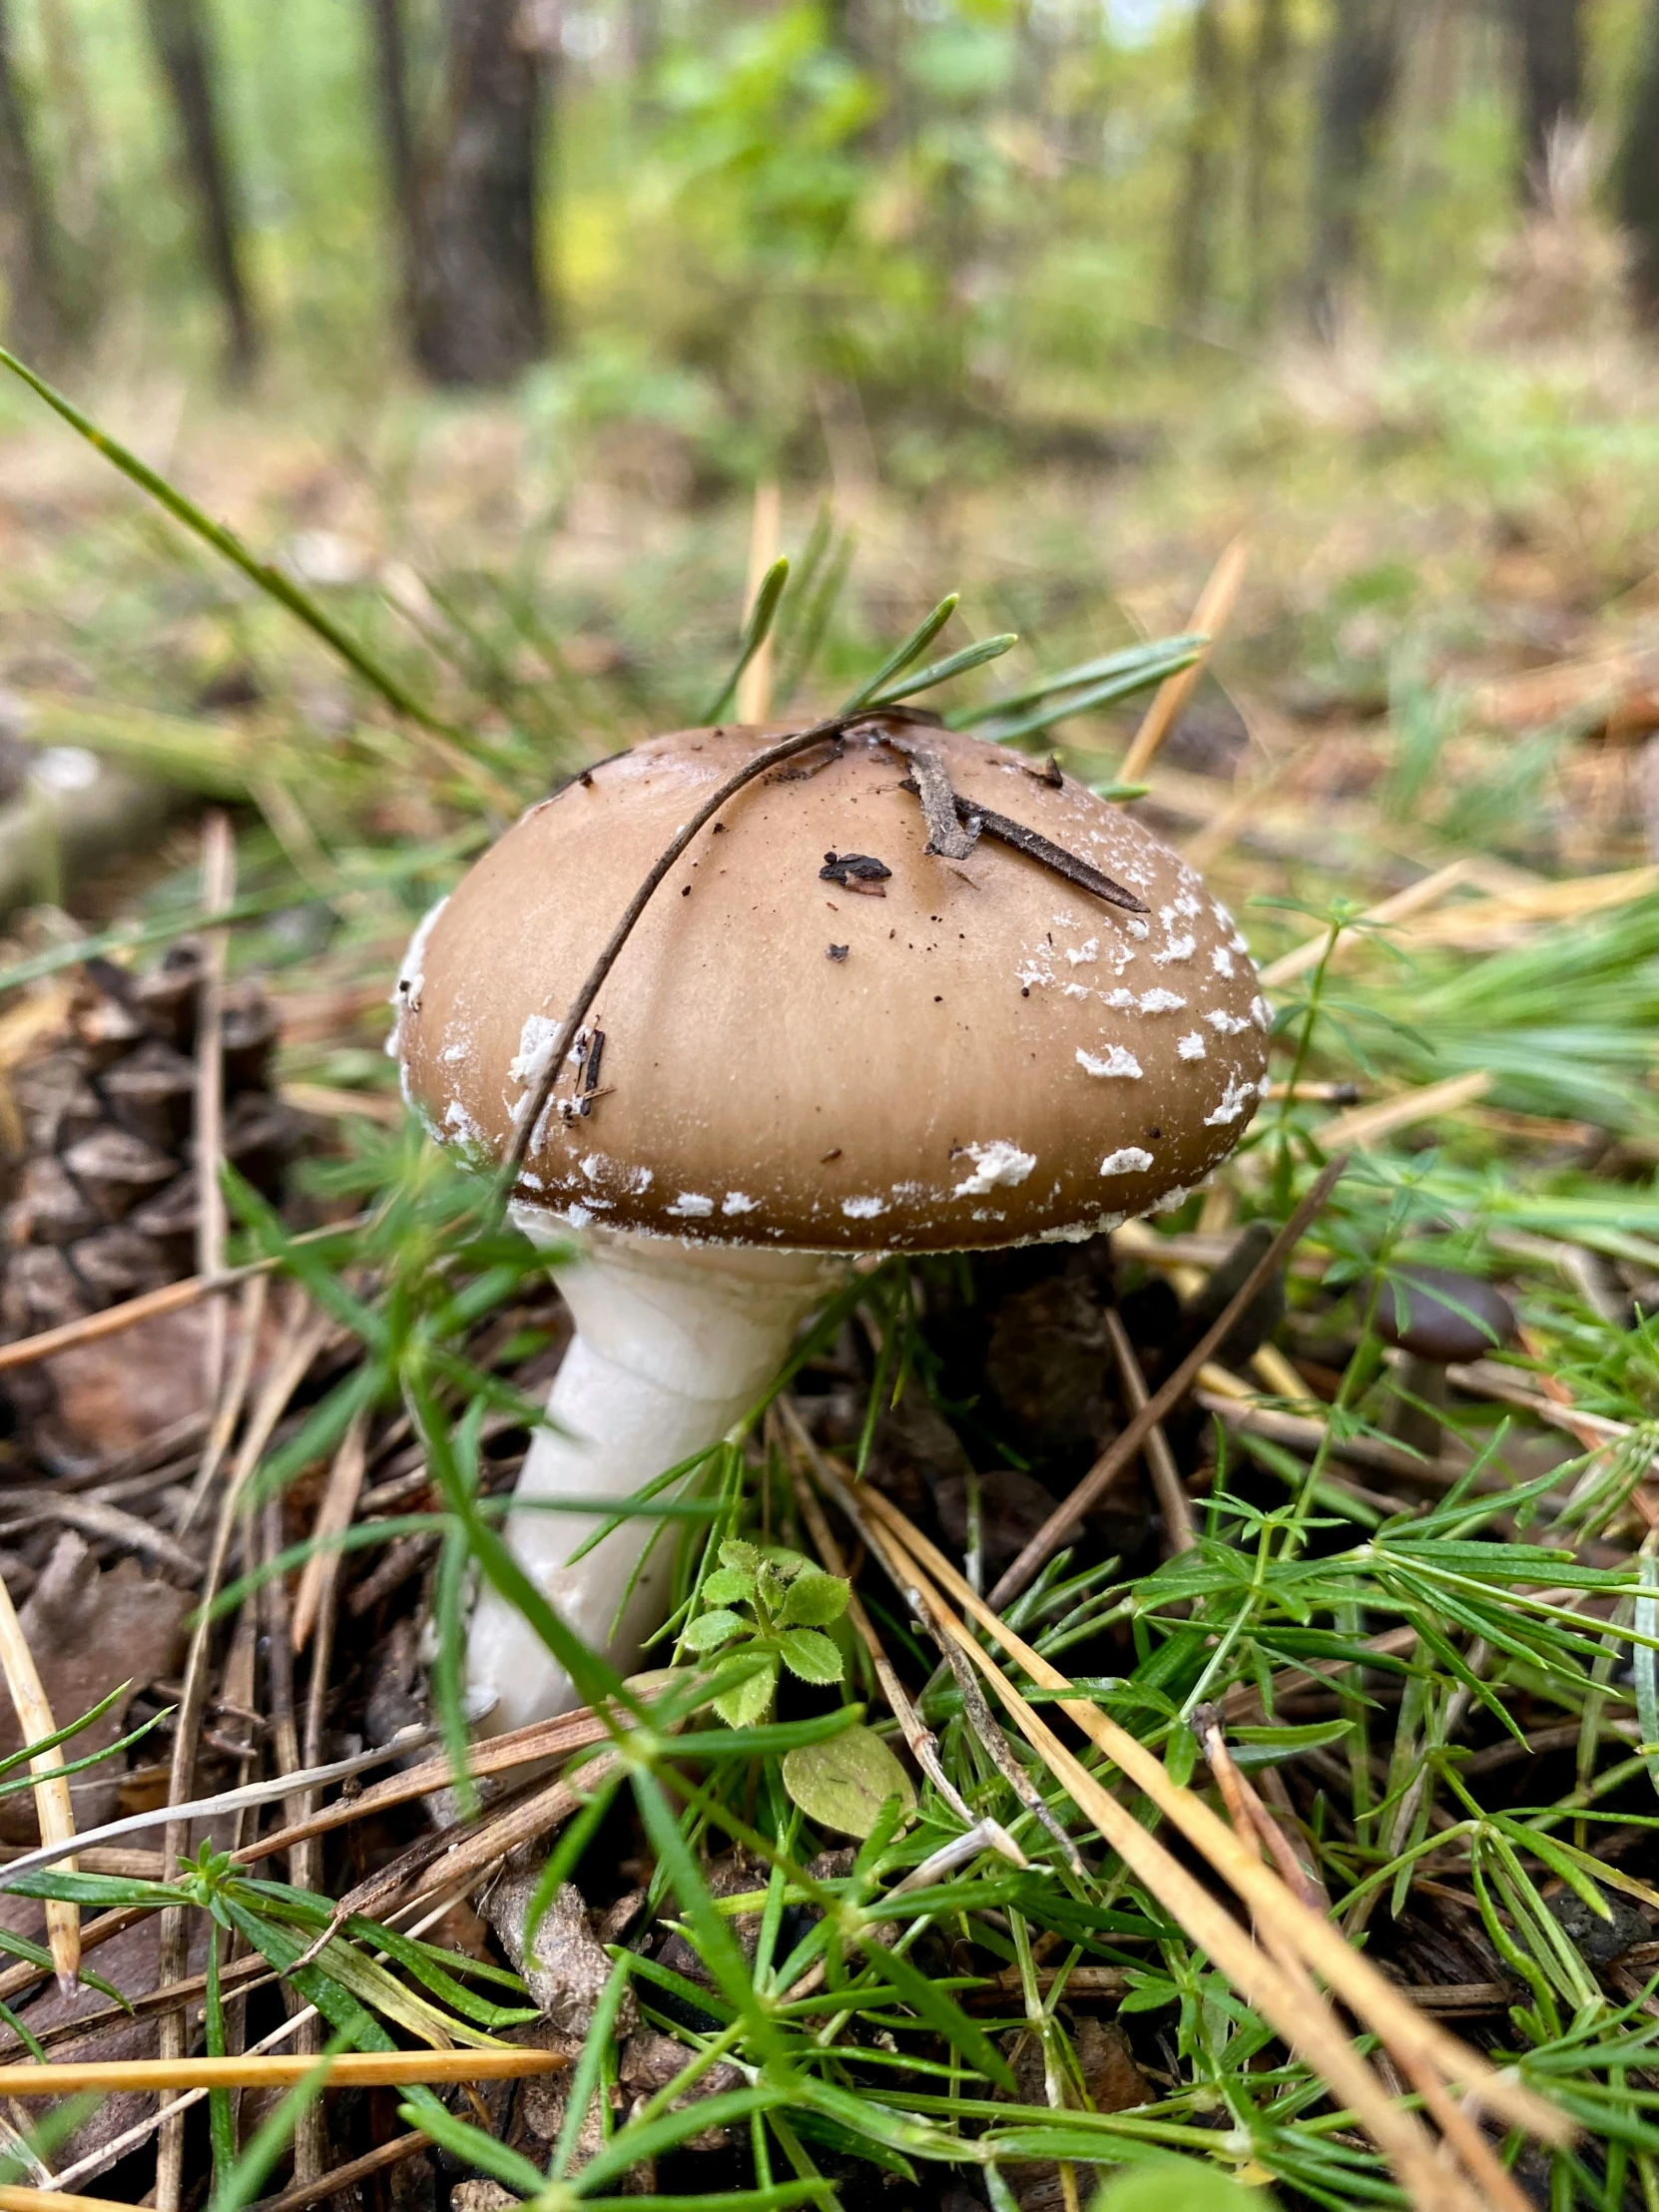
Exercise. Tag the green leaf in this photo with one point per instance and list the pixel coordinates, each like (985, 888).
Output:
(710, 1630)
(1179, 2185)
(844, 1783)
(747, 1559)
(954, 664)
(242, 2183)
(473, 2147)
(814, 1599)
(1260, 1747)
(811, 1656)
(1136, 665)
(750, 1701)
(914, 646)
(753, 636)
(728, 1586)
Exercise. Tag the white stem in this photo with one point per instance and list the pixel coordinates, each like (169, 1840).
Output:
(674, 1343)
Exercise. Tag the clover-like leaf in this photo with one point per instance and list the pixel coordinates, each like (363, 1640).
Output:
(843, 1781)
(1179, 2185)
(814, 1599)
(750, 1700)
(728, 1586)
(710, 1630)
(810, 1655)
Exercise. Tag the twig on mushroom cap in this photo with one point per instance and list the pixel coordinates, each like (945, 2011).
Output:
(1037, 847)
(1169, 1392)
(1029, 841)
(950, 838)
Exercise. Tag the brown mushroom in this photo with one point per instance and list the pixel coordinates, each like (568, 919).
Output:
(1001, 1057)
(1439, 1319)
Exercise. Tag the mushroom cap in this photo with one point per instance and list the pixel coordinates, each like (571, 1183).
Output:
(1438, 1314)
(956, 1054)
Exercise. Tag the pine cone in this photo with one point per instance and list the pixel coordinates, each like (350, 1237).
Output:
(105, 1203)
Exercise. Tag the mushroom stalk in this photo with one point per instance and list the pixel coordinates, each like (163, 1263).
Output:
(674, 1343)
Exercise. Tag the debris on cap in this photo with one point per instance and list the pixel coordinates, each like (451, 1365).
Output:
(992, 1052)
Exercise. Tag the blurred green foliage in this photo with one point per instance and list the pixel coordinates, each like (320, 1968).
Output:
(955, 216)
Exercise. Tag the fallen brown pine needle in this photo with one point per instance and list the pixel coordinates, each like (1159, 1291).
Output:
(1210, 614)
(1372, 1999)
(172, 1298)
(1278, 1987)
(1362, 1125)
(54, 2200)
(53, 1806)
(296, 2199)
(352, 2069)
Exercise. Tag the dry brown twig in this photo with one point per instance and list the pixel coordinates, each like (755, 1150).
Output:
(321, 1574)
(172, 1298)
(349, 2070)
(1167, 1487)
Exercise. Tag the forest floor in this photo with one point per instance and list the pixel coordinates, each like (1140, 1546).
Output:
(1422, 1629)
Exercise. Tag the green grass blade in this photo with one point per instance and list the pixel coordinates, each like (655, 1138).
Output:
(755, 635)
(914, 646)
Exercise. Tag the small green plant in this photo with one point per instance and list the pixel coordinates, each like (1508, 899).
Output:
(788, 1603)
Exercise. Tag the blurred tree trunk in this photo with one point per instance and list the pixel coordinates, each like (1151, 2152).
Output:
(482, 313)
(83, 200)
(1194, 256)
(1552, 80)
(645, 47)
(36, 319)
(397, 139)
(179, 32)
(1636, 180)
(1265, 151)
(865, 33)
(1361, 71)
